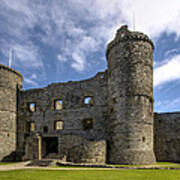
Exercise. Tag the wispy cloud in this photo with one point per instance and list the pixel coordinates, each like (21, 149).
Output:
(28, 55)
(169, 71)
(168, 105)
(80, 28)
(78, 63)
(30, 82)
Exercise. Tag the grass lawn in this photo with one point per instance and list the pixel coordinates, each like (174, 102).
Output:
(7, 163)
(90, 175)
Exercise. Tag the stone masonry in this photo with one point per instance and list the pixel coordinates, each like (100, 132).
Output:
(105, 119)
(130, 86)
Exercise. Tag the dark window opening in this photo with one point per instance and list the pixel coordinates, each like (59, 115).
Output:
(88, 100)
(114, 100)
(112, 110)
(45, 130)
(87, 124)
(32, 107)
(143, 139)
(58, 104)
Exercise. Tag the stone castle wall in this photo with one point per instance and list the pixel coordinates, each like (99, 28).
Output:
(73, 113)
(10, 84)
(115, 124)
(76, 149)
(130, 86)
(167, 136)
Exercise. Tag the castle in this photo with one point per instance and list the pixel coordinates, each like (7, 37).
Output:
(108, 118)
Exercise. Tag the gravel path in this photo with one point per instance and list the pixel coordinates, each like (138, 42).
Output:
(23, 165)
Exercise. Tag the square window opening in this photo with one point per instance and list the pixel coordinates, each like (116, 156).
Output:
(58, 125)
(58, 104)
(87, 124)
(88, 100)
(32, 107)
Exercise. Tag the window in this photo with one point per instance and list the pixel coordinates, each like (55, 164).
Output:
(58, 104)
(143, 139)
(88, 100)
(101, 76)
(45, 129)
(87, 124)
(58, 125)
(30, 127)
(32, 107)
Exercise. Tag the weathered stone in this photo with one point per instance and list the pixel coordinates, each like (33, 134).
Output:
(167, 136)
(10, 84)
(115, 126)
(130, 87)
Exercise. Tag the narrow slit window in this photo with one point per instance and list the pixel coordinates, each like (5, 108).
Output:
(58, 104)
(31, 126)
(88, 100)
(87, 124)
(45, 129)
(143, 139)
(58, 125)
(32, 107)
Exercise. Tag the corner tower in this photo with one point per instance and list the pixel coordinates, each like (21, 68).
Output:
(130, 87)
(10, 83)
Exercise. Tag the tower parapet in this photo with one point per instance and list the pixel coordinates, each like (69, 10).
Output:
(10, 83)
(130, 87)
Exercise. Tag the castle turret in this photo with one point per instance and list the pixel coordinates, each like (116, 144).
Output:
(10, 82)
(130, 87)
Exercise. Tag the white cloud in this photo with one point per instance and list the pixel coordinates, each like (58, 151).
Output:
(172, 52)
(61, 58)
(169, 71)
(30, 82)
(168, 105)
(34, 76)
(81, 27)
(27, 55)
(78, 63)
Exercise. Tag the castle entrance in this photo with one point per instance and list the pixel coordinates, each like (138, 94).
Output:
(49, 147)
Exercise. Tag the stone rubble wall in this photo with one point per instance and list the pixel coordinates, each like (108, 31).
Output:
(73, 113)
(79, 150)
(10, 84)
(167, 136)
(130, 87)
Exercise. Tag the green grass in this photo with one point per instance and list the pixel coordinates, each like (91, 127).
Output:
(168, 164)
(90, 175)
(7, 163)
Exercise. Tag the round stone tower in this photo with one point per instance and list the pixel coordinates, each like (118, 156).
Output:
(130, 87)
(10, 83)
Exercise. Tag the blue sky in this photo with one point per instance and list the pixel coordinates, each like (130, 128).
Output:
(62, 40)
